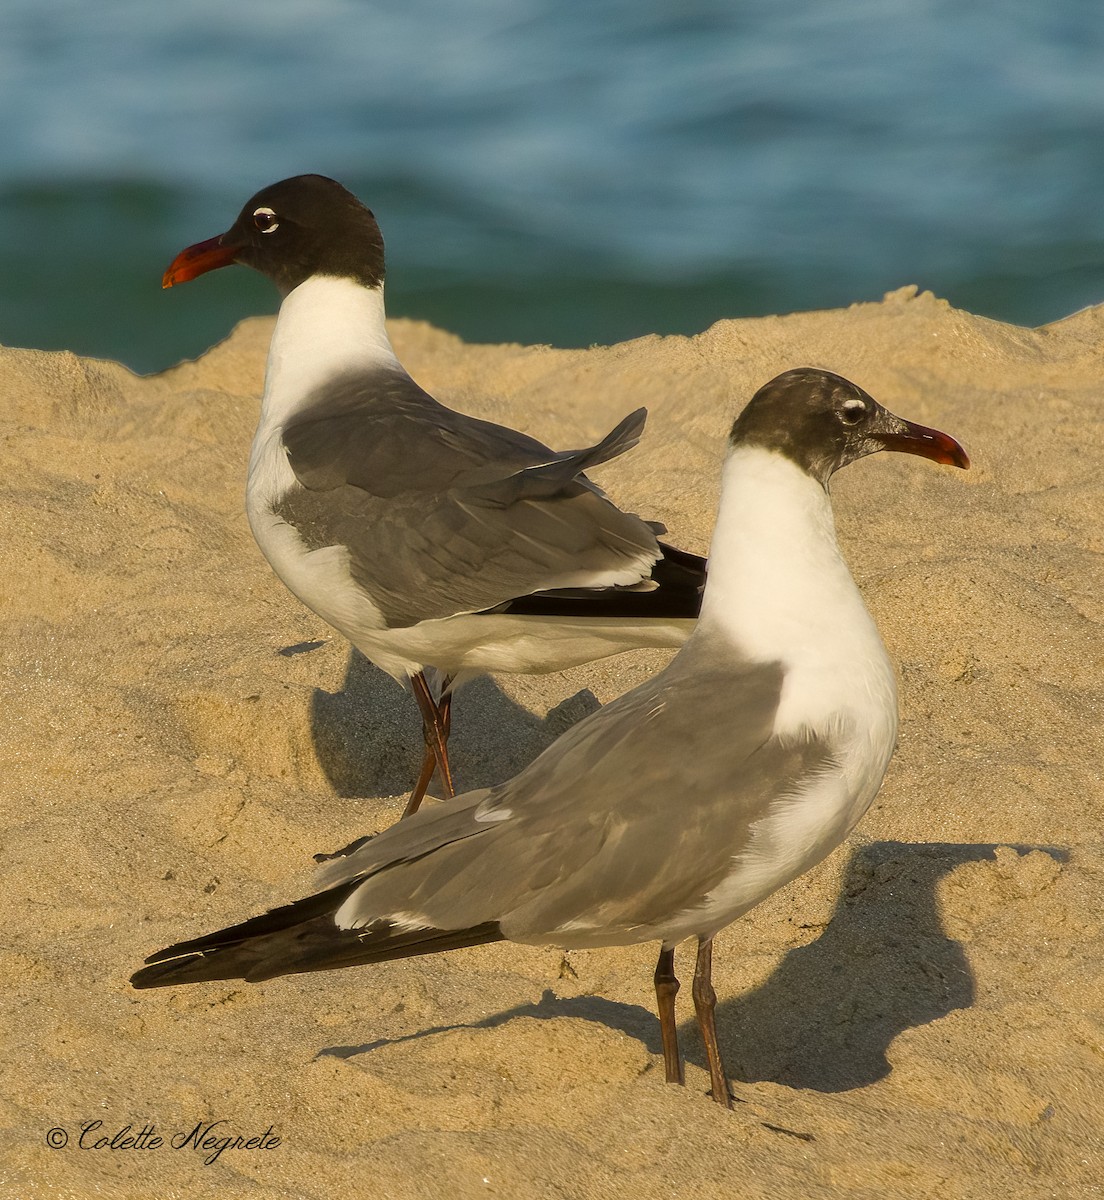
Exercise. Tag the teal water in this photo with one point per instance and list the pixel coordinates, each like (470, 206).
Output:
(553, 170)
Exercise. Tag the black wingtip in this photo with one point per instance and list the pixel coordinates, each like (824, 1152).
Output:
(680, 578)
(164, 974)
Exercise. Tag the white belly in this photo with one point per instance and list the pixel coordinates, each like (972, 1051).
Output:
(795, 833)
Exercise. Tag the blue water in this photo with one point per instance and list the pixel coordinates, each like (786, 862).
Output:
(553, 170)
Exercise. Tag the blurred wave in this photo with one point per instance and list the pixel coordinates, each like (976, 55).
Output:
(553, 170)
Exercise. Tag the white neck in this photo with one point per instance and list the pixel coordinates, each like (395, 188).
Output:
(778, 587)
(326, 327)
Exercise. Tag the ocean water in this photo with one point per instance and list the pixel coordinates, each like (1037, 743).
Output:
(557, 171)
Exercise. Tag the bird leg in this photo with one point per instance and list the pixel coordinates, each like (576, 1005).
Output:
(436, 723)
(445, 710)
(666, 988)
(443, 727)
(429, 764)
(705, 1001)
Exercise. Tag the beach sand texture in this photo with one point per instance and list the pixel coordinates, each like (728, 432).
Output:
(920, 1016)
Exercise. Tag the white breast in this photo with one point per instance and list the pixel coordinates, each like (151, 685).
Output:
(327, 328)
(780, 591)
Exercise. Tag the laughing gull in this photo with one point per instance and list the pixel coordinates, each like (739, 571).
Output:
(440, 545)
(676, 808)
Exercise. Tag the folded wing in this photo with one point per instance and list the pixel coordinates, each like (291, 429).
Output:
(443, 514)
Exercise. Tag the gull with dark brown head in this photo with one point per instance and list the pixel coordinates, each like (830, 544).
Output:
(440, 545)
(675, 809)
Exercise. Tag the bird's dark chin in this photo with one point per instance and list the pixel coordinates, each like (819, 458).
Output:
(199, 259)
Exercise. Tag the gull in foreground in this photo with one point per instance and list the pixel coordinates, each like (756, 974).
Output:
(440, 545)
(676, 808)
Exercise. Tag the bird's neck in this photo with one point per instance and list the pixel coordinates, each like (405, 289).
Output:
(779, 589)
(327, 327)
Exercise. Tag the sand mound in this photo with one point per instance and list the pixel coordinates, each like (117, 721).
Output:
(921, 1016)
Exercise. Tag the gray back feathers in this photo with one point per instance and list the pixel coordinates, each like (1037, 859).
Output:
(442, 513)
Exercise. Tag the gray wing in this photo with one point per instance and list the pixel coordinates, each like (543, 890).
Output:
(444, 513)
(632, 816)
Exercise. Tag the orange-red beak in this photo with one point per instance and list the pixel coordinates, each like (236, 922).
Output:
(199, 259)
(928, 443)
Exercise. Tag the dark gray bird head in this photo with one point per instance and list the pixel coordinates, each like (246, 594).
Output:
(822, 422)
(303, 226)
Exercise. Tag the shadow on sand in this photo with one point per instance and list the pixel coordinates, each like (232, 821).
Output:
(829, 1012)
(368, 736)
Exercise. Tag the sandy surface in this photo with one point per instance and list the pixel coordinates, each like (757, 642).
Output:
(922, 1016)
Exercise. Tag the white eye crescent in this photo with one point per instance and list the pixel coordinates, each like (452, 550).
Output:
(852, 412)
(264, 219)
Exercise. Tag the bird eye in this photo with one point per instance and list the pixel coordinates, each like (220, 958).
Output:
(852, 412)
(265, 220)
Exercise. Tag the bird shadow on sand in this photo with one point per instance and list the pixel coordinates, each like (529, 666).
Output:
(368, 736)
(828, 1013)
(631, 1019)
(830, 1010)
